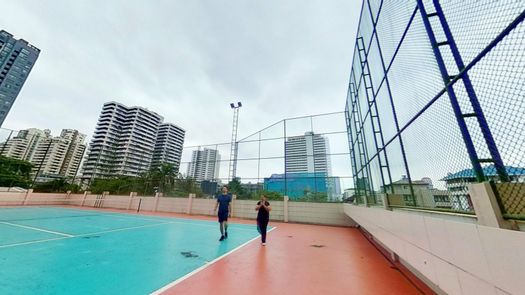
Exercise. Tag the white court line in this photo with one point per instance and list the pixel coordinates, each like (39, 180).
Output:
(71, 236)
(65, 236)
(32, 242)
(123, 229)
(204, 223)
(38, 229)
(179, 280)
(151, 225)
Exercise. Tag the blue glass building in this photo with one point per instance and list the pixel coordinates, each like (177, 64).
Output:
(297, 185)
(17, 58)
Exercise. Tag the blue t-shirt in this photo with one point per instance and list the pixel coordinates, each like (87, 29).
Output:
(224, 201)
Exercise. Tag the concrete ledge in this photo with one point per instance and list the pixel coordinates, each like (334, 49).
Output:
(455, 257)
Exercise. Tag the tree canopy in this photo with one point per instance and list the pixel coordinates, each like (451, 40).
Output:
(15, 172)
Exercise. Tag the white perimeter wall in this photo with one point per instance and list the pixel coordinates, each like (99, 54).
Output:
(315, 213)
(458, 257)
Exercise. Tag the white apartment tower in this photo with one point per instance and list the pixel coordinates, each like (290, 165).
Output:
(59, 156)
(307, 154)
(168, 146)
(126, 140)
(52, 157)
(23, 145)
(204, 165)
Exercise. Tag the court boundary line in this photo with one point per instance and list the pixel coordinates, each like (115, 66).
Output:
(33, 242)
(68, 236)
(196, 222)
(38, 229)
(203, 267)
(123, 229)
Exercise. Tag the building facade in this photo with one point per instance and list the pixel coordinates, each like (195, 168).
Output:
(417, 193)
(52, 157)
(58, 157)
(125, 141)
(308, 154)
(457, 183)
(22, 145)
(168, 146)
(297, 185)
(17, 58)
(204, 165)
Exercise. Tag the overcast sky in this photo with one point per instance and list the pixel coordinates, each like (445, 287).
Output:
(186, 60)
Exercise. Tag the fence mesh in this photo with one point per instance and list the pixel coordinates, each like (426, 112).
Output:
(436, 102)
(303, 158)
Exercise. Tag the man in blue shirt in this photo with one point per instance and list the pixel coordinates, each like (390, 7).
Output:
(224, 204)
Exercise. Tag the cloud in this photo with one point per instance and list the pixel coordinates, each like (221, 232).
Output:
(186, 60)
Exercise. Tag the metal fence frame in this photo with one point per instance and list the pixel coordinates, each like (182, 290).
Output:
(361, 91)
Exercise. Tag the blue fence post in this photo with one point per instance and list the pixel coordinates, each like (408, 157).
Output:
(467, 139)
(391, 100)
(476, 106)
(350, 95)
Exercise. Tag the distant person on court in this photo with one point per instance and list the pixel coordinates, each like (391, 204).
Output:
(224, 204)
(263, 217)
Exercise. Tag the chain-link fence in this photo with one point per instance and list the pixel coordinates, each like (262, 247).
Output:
(305, 159)
(436, 102)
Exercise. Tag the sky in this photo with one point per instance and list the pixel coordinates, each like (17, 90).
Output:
(185, 60)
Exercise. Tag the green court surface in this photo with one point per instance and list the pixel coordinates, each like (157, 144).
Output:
(52, 250)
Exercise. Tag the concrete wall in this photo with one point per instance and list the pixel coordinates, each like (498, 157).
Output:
(246, 209)
(177, 205)
(11, 198)
(315, 213)
(458, 257)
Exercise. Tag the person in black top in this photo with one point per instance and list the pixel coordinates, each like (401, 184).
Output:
(263, 217)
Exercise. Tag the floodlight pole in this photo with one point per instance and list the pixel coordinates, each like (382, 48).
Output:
(234, 145)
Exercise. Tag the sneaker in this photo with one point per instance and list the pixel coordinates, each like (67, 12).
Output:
(221, 239)
(226, 235)
(264, 244)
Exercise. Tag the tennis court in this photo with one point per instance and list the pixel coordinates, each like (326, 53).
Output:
(53, 250)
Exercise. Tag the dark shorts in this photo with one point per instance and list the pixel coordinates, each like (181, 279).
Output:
(223, 216)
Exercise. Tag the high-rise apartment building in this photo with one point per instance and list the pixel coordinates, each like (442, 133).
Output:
(58, 156)
(52, 157)
(204, 165)
(307, 154)
(22, 145)
(307, 160)
(126, 140)
(17, 58)
(168, 147)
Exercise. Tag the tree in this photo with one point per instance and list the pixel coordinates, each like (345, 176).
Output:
(271, 196)
(118, 185)
(56, 186)
(235, 187)
(315, 197)
(15, 172)
(166, 177)
(185, 186)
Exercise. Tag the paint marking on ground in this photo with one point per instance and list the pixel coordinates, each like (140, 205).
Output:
(38, 229)
(32, 242)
